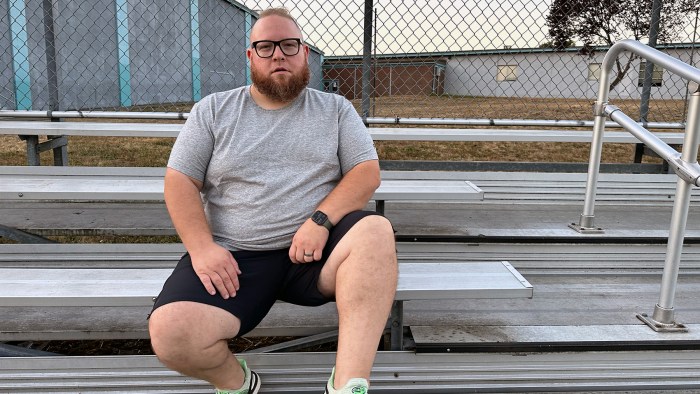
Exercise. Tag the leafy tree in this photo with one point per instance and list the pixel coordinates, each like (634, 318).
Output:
(559, 45)
(604, 22)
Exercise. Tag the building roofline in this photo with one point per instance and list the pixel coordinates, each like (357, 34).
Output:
(497, 52)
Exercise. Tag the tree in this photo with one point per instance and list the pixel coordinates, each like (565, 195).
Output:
(559, 45)
(604, 22)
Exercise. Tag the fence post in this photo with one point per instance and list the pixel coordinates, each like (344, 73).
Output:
(60, 151)
(50, 46)
(648, 74)
(663, 317)
(367, 60)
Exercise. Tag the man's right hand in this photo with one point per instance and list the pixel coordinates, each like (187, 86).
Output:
(217, 269)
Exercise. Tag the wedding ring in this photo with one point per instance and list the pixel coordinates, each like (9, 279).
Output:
(308, 255)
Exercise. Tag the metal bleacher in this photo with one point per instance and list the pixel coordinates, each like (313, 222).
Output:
(615, 293)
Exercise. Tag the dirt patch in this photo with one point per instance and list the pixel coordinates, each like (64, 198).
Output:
(143, 346)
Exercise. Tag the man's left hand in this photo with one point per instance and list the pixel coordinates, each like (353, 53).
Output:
(308, 243)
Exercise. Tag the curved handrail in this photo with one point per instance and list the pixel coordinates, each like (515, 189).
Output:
(685, 165)
(669, 63)
(657, 57)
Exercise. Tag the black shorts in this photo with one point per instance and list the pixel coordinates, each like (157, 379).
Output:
(267, 276)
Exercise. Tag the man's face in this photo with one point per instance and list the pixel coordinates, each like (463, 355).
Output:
(280, 77)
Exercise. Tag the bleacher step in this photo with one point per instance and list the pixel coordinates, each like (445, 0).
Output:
(404, 372)
(453, 339)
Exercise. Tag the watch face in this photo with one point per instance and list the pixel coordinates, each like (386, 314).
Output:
(319, 217)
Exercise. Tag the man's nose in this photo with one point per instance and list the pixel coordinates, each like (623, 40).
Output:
(277, 52)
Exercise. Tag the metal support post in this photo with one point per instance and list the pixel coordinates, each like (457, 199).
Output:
(663, 317)
(59, 145)
(32, 149)
(396, 321)
(585, 224)
(379, 206)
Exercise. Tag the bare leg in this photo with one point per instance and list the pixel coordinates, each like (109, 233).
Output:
(191, 338)
(362, 273)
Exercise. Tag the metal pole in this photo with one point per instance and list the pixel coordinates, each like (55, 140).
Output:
(648, 73)
(649, 69)
(663, 316)
(585, 224)
(367, 60)
(374, 60)
(50, 51)
(60, 152)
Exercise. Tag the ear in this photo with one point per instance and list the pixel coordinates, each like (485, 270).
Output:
(249, 53)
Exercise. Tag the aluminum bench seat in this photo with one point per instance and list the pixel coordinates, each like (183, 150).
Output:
(561, 188)
(131, 275)
(619, 278)
(78, 287)
(528, 201)
(139, 184)
(392, 372)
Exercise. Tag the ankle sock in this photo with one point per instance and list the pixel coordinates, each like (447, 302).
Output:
(353, 386)
(246, 382)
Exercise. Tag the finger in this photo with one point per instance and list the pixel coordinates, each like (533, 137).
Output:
(206, 281)
(318, 253)
(232, 274)
(293, 254)
(235, 266)
(308, 258)
(227, 278)
(219, 284)
(300, 255)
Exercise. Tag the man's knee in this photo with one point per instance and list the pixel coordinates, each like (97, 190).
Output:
(170, 339)
(182, 333)
(377, 230)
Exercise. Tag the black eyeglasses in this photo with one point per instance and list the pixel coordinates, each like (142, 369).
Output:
(288, 46)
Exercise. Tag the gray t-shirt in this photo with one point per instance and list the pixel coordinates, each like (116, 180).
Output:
(265, 171)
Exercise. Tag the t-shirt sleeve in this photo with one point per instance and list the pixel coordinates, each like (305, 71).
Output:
(355, 144)
(194, 145)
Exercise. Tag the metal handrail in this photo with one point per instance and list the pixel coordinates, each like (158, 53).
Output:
(684, 164)
(371, 120)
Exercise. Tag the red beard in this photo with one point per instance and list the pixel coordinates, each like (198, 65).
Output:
(284, 90)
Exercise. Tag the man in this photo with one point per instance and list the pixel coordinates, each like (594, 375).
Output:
(265, 186)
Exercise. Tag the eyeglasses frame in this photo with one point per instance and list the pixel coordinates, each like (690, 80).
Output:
(276, 44)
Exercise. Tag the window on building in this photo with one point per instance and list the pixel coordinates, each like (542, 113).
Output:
(330, 85)
(656, 77)
(594, 72)
(507, 73)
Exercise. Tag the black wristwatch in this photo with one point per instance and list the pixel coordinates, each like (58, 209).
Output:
(321, 219)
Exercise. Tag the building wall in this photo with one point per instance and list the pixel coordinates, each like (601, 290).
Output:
(387, 79)
(223, 58)
(551, 75)
(157, 66)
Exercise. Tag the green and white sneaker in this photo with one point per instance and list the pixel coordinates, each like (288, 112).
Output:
(251, 384)
(353, 386)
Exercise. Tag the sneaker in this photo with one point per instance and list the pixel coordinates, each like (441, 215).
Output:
(251, 384)
(353, 386)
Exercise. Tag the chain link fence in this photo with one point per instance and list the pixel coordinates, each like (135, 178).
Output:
(512, 59)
